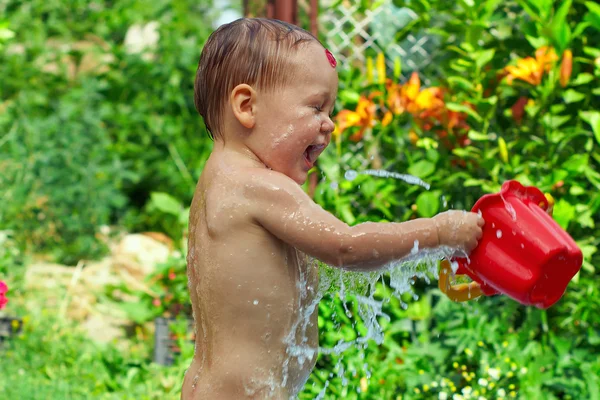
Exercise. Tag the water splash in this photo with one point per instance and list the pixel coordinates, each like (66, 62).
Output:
(356, 291)
(381, 173)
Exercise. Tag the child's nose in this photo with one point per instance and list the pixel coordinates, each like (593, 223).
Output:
(327, 126)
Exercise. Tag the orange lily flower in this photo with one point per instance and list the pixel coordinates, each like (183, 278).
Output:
(531, 70)
(409, 97)
(364, 117)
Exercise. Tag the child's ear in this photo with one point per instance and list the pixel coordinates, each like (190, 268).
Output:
(243, 104)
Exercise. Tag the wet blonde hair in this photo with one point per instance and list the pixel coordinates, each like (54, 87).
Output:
(254, 51)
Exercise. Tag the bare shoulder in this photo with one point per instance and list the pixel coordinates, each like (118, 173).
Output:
(266, 187)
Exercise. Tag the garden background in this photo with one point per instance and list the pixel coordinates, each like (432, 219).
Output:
(100, 148)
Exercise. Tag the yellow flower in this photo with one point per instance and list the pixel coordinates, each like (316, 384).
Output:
(380, 64)
(425, 388)
(364, 384)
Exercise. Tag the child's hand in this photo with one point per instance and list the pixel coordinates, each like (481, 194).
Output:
(460, 229)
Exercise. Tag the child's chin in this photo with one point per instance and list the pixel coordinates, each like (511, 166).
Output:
(300, 177)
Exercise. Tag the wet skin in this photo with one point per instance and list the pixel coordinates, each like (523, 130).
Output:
(251, 284)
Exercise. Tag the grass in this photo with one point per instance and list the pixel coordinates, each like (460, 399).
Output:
(54, 359)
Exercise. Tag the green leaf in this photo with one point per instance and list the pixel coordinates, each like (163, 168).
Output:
(576, 163)
(562, 36)
(555, 121)
(349, 96)
(166, 203)
(593, 17)
(460, 83)
(428, 204)
(463, 108)
(585, 219)
(592, 381)
(592, 118)
(347, 214)
(537, 42)
(184, 216)
(591, 51)
(572, 96)
(137, 311)
(422, 168)
(576, 191)
(483, 57)
(582, 79)
(560, 28)
(579, 29)
(478, 136)
(563, 213)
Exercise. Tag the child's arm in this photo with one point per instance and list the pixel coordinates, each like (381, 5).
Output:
(284, 209)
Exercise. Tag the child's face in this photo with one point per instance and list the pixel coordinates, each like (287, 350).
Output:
(293, 124)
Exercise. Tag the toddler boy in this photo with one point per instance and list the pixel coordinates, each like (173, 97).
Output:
(266, 90)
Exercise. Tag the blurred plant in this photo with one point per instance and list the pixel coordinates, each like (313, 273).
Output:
(163, 294)
(97, 115)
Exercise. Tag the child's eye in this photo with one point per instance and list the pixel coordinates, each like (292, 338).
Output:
(318, 108)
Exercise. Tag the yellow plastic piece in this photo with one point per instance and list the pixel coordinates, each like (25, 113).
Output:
(550, 203)
(458, 293)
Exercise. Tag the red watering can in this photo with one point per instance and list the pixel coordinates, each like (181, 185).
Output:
(523, 252)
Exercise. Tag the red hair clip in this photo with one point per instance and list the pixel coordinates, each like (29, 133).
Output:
(331, 58)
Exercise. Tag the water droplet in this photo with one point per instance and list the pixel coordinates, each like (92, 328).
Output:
(498, 233)
(415, 248)
(351, 175)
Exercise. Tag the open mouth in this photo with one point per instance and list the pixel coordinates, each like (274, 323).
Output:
(312, 152)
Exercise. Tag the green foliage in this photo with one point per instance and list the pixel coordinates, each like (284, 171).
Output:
(53, 359)
(165, 293)
(90, 126)
(540, 133)
(94, 134)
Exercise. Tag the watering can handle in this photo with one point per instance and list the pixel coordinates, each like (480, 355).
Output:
(461, 292)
